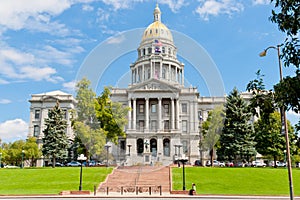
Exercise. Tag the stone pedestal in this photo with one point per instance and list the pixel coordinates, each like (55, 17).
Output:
(147, 158)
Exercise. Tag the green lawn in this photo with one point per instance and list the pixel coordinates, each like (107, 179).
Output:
(243, 181)
(49, 180)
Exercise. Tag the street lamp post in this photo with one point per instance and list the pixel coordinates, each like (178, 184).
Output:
(284, 122)
(107, 148)
(22, 164)
(183, 161)
(81, 158)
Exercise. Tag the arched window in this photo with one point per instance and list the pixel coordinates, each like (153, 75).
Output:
(140, 146)
(149, 50)
(153, 146)
(166, 146)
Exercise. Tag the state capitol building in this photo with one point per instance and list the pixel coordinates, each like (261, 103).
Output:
(165, 118)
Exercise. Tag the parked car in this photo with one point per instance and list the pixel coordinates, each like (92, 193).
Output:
(215, 163)
(197, 163)
(73, 164)
(222, 164)
(11, 166)
(258, 164)
(229, 164)
(57, 164)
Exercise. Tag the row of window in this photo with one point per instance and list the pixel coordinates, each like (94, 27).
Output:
(166, 108)
(156, 49)
(166, 125)
(37, 113)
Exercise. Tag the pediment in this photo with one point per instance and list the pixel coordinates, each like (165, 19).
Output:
(50, 98)
(154, 85)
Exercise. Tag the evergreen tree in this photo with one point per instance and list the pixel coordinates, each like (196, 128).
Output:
(236, 140)
(55, 142)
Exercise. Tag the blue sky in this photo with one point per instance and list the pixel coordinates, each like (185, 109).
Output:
(45, 43)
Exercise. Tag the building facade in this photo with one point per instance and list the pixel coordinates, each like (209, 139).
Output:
(165, 115)
(39, 106)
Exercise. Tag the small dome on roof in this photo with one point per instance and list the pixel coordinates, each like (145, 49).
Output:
(157, 30)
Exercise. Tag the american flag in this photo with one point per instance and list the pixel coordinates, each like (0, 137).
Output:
(157, 45)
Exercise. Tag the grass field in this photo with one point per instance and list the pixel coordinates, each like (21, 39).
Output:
(242, 181)
(49, 180)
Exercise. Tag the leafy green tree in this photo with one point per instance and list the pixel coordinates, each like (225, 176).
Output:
(112, 116)
(212, 128)
(55, 141)
(262, 104)
(236, 140)
(32, 151)
(14, 152)
(90, 137)
(286, 16)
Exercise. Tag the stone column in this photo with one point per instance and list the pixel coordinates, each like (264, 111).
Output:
(177, 113)
(159, 114)
(129, 114)
(191, 124)
(182, 77)
(172, 114)
(147, 114)
(134, 115)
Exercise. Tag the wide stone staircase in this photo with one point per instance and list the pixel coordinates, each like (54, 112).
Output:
(137, 179)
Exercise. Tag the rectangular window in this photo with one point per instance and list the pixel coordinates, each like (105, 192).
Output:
(184, 147)
(153, 125)
(184, 108)
(184, 126)
(141, 108)
(166, 125)
(141, 124)
(37, 114)
(166, 109)
(153, 108)
(36, 130)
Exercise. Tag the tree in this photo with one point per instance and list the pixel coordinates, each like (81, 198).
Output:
(212, 129)
(86, 126)
(269, 138)
(112, 116)
(32, 150)
(14, 152)
(55, 142)
(262, 104)
(286, 16)
(236, 140)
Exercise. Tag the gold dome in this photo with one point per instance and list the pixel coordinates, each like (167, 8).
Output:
(157, 30)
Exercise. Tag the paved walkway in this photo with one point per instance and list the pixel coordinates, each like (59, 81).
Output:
(136, 180)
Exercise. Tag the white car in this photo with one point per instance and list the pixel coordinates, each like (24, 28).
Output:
(258, 164)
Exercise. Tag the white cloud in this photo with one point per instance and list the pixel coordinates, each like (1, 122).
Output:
(11, 130)
(87, 8)
(121, 4)
(174, 5)
(5, 101)
(116, 39)
(70, 86)
(209, 8)
(261, 2)
(18, 65)
(14, 14)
